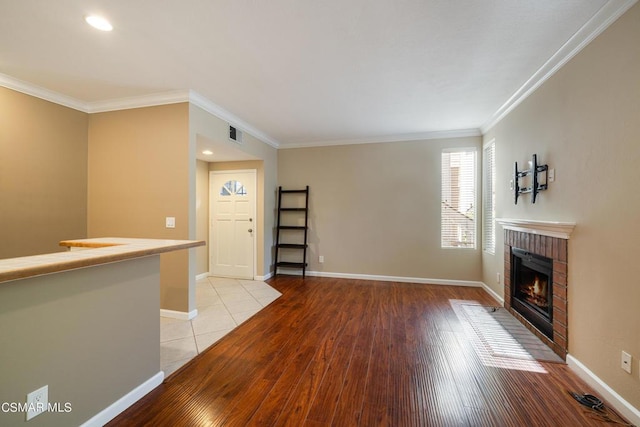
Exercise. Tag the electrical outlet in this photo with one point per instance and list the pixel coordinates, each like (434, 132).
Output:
(626, 362)
(170, 222)
(37, 402)
(551, 175)
(321, 259)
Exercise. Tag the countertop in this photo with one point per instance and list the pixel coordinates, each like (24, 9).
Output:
(99, 251)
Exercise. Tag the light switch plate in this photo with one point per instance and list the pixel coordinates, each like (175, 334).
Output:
(170, 222)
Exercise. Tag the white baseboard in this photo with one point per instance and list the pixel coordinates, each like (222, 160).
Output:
(445, 282)
(202, 276)
(263, 278)
(493, 293)
(627, 410)
(120, 405)
(182, 315)
(381, 278)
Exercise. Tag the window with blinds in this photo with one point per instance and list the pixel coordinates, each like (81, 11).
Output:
(489, 197)
(458, 207)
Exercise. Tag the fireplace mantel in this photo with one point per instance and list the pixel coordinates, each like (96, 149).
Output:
(561, 230)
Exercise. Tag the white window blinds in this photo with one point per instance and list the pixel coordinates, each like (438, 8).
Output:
(489, 197)
(458, 207)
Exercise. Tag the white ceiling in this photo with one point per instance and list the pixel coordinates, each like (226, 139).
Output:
(303, 72)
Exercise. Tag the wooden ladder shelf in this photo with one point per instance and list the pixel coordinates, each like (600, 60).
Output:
(294, 214)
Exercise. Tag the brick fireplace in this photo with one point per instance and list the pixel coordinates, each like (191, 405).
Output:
(548, 240)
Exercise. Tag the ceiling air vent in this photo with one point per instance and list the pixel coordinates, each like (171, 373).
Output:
(235, 135)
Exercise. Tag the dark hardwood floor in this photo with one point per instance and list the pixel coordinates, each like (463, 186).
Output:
(348, 352)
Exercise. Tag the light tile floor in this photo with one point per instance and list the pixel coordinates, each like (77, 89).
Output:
(222, 305)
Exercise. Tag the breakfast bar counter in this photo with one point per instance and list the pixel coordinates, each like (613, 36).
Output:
(103, 250)
(86, 325)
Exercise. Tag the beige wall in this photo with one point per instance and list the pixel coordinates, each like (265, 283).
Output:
(215, 129)
(585, 123)
(91, 334)
(375, 209)
(43, 175)
(141, 170)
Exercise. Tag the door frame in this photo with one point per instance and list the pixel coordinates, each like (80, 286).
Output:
(254, 172)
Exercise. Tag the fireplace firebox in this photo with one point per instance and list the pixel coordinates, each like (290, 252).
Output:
(532, 290)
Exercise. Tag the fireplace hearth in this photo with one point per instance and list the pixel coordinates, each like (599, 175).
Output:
(532, 293)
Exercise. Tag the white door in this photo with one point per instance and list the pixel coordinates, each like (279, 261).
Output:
(232, 226)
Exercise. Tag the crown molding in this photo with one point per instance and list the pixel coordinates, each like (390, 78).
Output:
(599, 22)
(177, 96)
(448, 134)
(42, 93)
(213, 108)
(151, 100)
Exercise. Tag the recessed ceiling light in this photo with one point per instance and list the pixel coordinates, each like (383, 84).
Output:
(99, 22)
(207, 152)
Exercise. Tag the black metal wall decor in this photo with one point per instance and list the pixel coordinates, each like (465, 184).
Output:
(536, 185)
